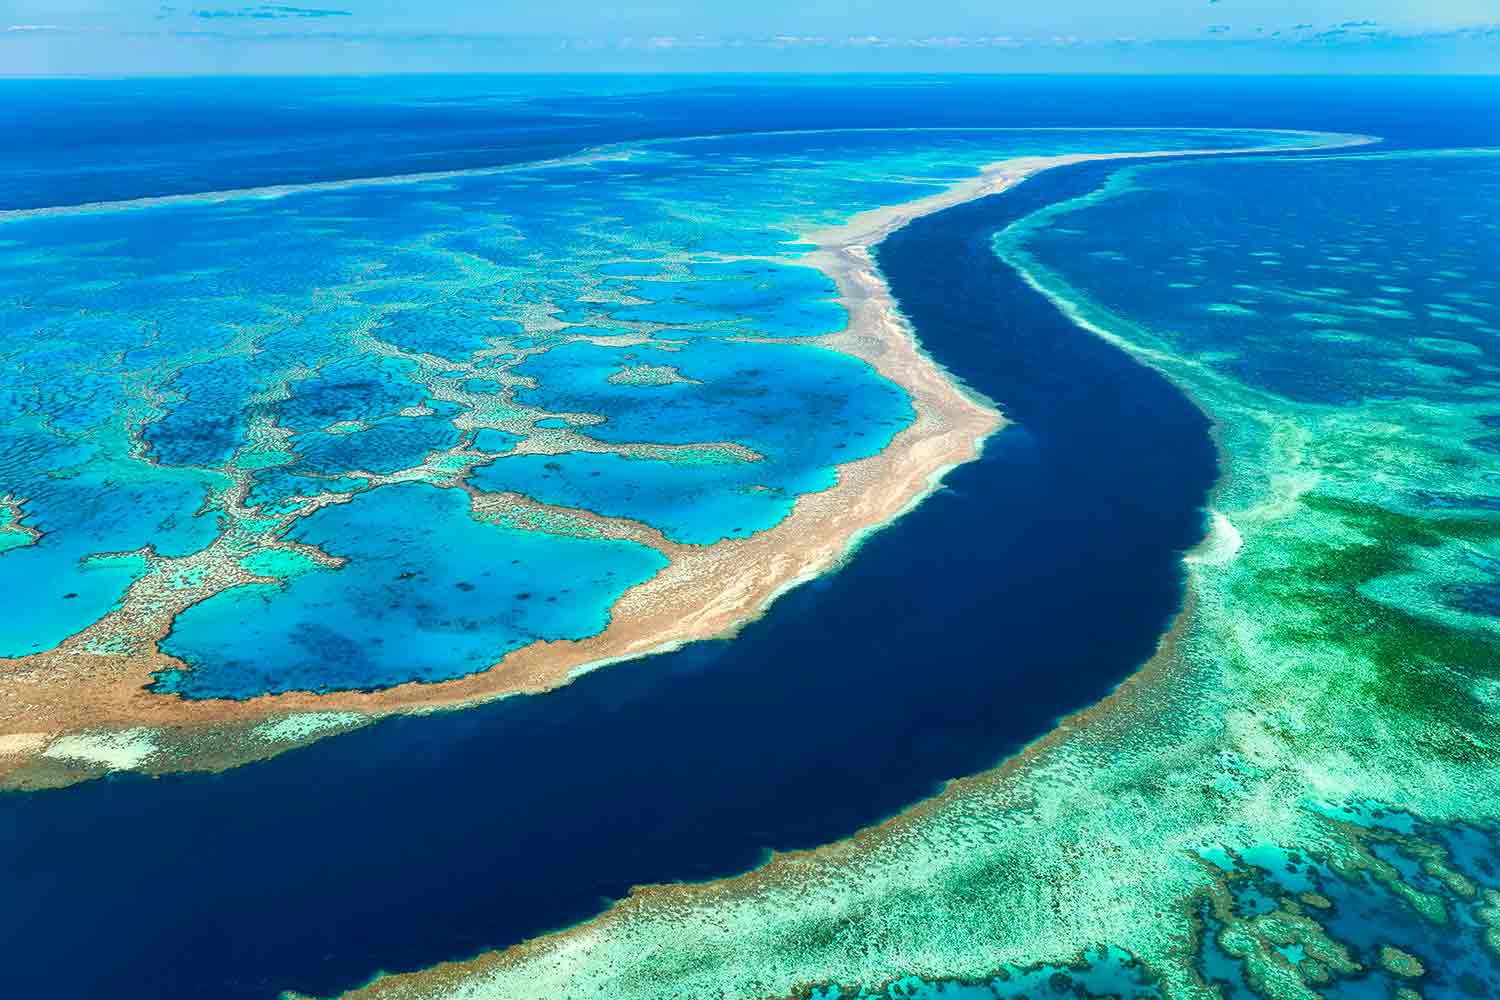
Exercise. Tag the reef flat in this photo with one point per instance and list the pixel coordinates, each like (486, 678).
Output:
(1294, 798)
(626, 374)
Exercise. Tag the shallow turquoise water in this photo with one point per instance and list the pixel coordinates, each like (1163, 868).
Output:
(439, 594)
(801, 410)
(205, 375)
(1340, 318)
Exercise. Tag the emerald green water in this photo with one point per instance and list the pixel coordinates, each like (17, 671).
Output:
(1299, 803)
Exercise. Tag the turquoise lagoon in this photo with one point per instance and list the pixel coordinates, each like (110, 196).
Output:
(238, 381)
(438, 594)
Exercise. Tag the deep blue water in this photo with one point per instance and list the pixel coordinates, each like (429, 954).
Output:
(99, 140)
(1035, 582)
(1298, 287)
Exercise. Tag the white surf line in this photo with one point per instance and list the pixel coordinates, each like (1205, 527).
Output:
(966, 129)
(271, 191)
(611, 151)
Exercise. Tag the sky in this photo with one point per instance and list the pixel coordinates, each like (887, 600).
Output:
(135, 37)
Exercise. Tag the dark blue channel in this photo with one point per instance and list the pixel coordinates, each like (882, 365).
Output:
(1043, 575)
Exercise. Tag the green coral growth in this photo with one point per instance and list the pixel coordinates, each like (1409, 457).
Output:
(1299, 796)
